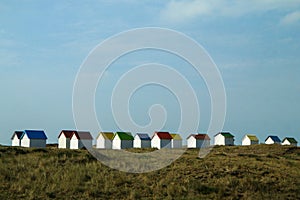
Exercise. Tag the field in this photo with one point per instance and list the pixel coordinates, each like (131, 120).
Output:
(254, 172)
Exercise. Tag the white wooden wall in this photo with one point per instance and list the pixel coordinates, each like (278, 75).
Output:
(74, 143)
(63, 142)
(191, 142)
(15, 141)
(25, 142)
(116, 144)
(137, 143)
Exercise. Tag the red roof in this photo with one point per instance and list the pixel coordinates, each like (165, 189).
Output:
(67, 133)
(200, 136)
(163, 135)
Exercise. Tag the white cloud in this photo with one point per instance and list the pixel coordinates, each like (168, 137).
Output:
(181, 11)
(291, 18)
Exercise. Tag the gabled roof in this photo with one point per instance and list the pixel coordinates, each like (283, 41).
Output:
(67, 133)
(163, 135)
(34, 134)
(107, 135)
(252, 137)
(18, 134)
(143, 136)
(291, 140)
(274, 138)
(199, 136)
(175, 136)
(124, 135)
(83, 135)
(225, 134)
(202, 137)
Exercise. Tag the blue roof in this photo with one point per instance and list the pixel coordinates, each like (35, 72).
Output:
(274, 138)
(34, 134)
(143, 136)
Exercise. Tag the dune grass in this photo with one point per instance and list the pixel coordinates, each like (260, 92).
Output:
(253, 172)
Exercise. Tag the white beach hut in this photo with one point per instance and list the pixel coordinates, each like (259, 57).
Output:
(224, 138)
(198, 141)
(33, 138)
(64, 139)
(122, 140)
(142, 140)
(104, 140)
(250, 140)
(289, 141)
(81, 139)
(161, 140)
(272, 139)
(16, 138)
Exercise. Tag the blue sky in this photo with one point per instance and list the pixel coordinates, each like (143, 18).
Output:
(255, 45)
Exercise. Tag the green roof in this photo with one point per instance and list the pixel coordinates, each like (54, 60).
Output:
(252, 138)
(124, 135)
(227, 135)
(291, 140)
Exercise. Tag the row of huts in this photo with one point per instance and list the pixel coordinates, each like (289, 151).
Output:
(71, 139)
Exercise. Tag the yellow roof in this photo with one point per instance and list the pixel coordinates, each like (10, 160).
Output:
(176, 136)
(252, 137)
(107, 135)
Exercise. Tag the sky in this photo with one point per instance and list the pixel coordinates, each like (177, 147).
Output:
(255, 45)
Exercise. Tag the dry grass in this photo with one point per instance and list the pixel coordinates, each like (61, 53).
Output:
(254, 172)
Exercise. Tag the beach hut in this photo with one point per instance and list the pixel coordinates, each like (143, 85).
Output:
(198, 141)
(122, 140)
(142, 140)
(64, 139)
(249, 140)
(161, 140)
(81, 139)
(272, 139)
(224, 138)
(176, 142)
(16, 138)
(289, 141)
(33, 138)
(104, 140)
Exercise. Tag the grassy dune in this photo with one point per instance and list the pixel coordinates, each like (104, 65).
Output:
(254, 172)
